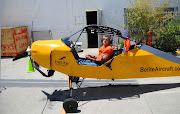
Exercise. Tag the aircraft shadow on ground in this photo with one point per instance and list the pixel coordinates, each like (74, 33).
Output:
(109, 92)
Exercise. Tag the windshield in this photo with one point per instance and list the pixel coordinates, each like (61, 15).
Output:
(72, 38)
(66, 41)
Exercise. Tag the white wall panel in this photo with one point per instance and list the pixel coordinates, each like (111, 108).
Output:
(63, 17)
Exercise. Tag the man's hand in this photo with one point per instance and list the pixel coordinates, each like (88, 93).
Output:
(94, 58)
(87, 56)
(90, 57)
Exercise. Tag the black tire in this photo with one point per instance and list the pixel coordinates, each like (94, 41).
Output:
(70, 105)
(50, 73)
(74, 79)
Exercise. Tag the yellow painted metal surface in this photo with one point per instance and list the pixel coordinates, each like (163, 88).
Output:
(41, 51)
(178, 52)
(138, 63)
(135, 63)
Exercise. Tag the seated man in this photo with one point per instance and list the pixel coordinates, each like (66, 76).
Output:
(104, 55)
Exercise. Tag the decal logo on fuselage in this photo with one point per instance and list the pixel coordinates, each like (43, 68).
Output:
(159, 69)
(61, 62)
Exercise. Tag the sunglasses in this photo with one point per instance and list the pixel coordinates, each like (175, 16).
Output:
(105, 39)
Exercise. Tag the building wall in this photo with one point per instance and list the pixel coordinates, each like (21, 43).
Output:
(63, 17)
(0, 32)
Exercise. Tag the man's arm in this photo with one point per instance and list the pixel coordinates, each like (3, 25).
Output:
(90, 56)
(102, 60)
(104, 57)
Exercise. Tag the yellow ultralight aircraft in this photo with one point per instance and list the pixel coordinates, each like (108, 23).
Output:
(141, 61)
(178, 51)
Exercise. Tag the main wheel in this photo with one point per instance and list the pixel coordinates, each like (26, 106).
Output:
(74, 79)
(70, 105)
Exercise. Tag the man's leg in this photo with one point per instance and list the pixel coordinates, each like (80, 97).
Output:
(86, 62)
(91, 64)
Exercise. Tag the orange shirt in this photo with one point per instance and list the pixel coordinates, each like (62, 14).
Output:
(105, 49)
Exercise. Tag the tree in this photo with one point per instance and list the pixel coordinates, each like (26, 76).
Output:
(145, 16)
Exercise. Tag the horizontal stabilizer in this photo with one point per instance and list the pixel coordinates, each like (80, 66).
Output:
(159, 53)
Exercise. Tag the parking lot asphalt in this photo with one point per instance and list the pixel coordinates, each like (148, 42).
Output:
(28, 93)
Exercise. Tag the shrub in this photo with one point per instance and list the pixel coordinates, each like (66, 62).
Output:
(168, 39)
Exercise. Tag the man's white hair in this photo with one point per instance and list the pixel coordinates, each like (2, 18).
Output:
(107, 36)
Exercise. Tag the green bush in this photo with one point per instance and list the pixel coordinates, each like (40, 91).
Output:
(144, 16)
(168, 39)
(120, 43)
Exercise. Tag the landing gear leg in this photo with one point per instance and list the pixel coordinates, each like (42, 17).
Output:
(74, 79)
(70, 105)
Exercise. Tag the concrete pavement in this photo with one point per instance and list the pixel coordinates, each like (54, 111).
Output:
(27, 93)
